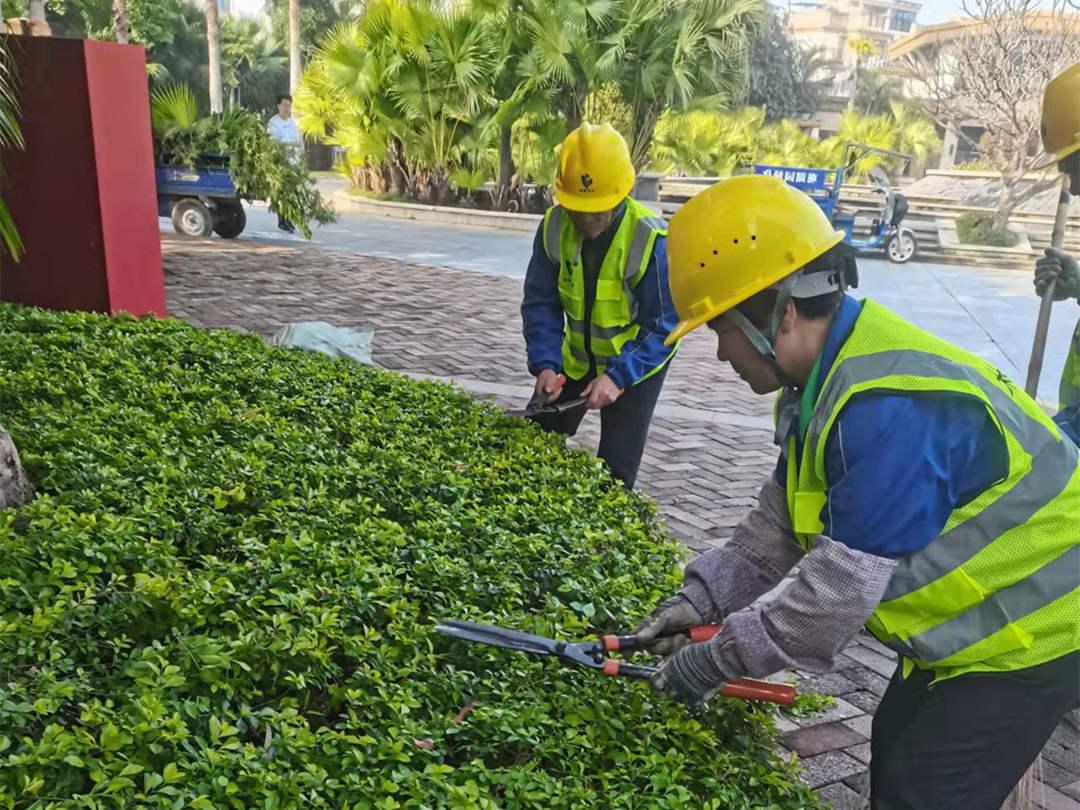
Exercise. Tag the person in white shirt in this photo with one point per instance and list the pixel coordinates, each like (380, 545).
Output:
(282, 128)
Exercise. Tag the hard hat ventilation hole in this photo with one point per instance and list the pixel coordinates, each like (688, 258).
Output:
(753, 237)
(735, 241)
(715, 252)
(702, 265)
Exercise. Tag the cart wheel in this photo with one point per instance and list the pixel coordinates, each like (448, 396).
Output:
(191, 218)
(229, 220)
(901, 247)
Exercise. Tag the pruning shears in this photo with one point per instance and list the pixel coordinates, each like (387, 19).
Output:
(540, 405)
(593, 655)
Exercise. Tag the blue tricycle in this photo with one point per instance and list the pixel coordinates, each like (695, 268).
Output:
(202, 199)
(823, 186)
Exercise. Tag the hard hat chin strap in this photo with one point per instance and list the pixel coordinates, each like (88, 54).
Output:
(798, 285)
(762, 344)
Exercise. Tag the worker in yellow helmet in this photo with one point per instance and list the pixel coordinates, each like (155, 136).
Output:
(919, 491)
(597, 309)
(1061, 139)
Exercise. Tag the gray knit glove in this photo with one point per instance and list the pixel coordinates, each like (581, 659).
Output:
(691, 676)
(662, 631)
(1058, 266)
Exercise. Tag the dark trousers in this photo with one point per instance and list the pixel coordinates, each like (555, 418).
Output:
(624, 424)
(964, 743)
(282, 223)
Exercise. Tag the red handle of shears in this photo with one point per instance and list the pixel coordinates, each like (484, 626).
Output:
(749, 689)
(703, 632)
(743, 688)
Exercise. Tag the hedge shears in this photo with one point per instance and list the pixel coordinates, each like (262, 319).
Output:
(593, 655)
(541, 405)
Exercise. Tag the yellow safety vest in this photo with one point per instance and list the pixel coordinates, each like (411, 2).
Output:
(614, 309)
(999, 588)
(1069, 392)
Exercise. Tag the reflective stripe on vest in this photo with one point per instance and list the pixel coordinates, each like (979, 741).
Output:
(614, 308)
(1049, 474)
(1053, 581)
(999, 588)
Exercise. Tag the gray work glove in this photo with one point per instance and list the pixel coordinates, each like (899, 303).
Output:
(1059, 266)
(691, 676)
(662, 631)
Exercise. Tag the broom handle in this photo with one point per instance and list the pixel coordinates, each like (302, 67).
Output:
(1042, 326)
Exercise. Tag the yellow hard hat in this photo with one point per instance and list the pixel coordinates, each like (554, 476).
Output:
(1061, 114)
(737, 238)
(595, 170)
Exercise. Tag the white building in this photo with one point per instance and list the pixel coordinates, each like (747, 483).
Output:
(831, 25)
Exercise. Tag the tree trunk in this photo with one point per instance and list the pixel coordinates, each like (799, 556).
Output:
(37, 10)
(1007, 202)
(213, 45)
(506, 164)
(644, 130)
(398, 179)
(120, 17)
(15, 486)
(294, 45)
(854, 85)
(575, 106)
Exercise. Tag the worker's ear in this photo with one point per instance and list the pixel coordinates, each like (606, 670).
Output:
(791, 315)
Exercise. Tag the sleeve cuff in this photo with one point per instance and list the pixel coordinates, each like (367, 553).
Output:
(536, 370)
(618, 376)
(697, 595)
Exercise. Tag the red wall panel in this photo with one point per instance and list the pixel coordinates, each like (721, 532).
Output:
(82, 191)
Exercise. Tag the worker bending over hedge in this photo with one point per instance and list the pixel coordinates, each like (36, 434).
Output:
(920, 491)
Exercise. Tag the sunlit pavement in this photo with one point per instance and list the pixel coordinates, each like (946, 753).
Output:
(989, 312)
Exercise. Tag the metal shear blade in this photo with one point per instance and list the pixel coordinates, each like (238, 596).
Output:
(586, 654)
(535, 408)
(497, 637)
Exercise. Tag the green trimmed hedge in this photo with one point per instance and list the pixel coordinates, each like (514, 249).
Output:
(223, 594)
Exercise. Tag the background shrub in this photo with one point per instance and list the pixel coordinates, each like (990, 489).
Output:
(223, 594)
(974, 228)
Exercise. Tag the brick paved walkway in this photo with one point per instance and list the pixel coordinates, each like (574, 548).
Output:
(709, 448)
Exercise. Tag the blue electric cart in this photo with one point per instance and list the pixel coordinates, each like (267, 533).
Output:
(202, 199)
(887, 232)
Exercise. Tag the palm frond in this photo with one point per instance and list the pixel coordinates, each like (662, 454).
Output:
(10, 138)
(10, 132)
(9, 233)
(173, 107)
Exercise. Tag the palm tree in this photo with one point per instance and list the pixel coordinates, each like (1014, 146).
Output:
(214, 54)
(523, 91)
(815, 72)
(253, 64)
(679, 56)
(10, 138)
(294, 45)
(15, 489)
(411, 85)
(862, 48)
(915, 134)
(428, 88)
(184, 59)
(690, 143)
(120, 18)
